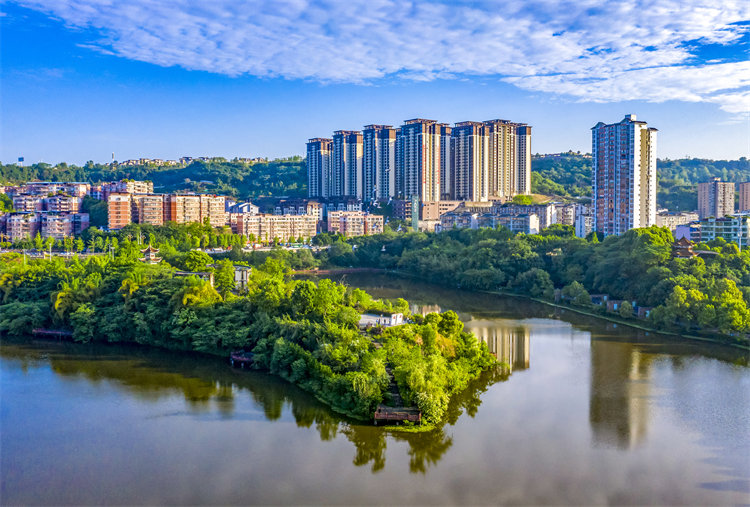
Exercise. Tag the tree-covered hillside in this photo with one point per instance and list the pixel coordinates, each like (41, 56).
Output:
(569, 175)
(238, 179)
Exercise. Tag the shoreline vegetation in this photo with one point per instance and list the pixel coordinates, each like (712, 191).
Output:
(641, 324)
(306, 333)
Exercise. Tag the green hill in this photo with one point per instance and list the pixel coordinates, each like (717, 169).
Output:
(243, 180)
(569, 175)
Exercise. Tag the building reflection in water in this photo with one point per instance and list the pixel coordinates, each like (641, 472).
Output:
(508, 343)
(424, 309)
(619, 394)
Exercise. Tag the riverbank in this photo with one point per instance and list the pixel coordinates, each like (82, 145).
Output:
(640, 325)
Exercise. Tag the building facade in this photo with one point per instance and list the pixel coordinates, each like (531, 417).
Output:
(267, 228)
(744, 203)
(624, 175)
(319, 167)
(734, 229)
(119, 211)
(715, 198)
(672, 220)
(148, 209)
(346, 166)
(379, 162)
(470, 162)
(420, 159)
(354, 223)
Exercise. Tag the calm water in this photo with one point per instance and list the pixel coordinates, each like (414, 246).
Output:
(585, 413)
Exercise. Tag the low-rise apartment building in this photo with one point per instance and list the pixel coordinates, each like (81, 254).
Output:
(148, 209)
(119, 211)
(63, 203)
(28, 203)
(354, 223)
(734, 229)
(20, 226)
(267, 228)
(460, 219)
(62, 225)
(672, 220)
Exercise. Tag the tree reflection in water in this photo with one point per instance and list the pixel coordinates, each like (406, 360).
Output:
(209, 385)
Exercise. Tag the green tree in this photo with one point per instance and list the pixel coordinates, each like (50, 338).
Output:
(577, 294)
(626, 310)
(197, 261)
(224, 277)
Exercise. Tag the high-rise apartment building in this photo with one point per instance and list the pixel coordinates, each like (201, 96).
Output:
(469, 160)
(491, 159)
(715, 198)
(346, 166)
(624, 175)
(509, 165)
(446, 161)
(419, 156)
(744, 196)
(319, 167)
(379, 162)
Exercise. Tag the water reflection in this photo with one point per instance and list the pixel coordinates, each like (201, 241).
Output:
(619, 394)
(209, 386)
(509, 343)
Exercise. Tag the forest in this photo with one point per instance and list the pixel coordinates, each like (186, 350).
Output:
(307, 333)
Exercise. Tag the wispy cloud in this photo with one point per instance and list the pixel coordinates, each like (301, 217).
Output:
(590, 50)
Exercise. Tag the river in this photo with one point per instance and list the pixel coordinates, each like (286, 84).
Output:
(585, 412)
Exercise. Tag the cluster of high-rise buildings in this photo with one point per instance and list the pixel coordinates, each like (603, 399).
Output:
(471, 161)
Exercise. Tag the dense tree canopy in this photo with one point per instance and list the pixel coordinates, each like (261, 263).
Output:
(305, 332)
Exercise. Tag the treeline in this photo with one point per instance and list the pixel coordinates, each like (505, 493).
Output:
(306, 333)
(700, 294)
(282, 177)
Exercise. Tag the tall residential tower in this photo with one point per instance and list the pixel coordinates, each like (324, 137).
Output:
(379, 162)
(715, 199)
(624, 175)
(319, 167)
(346, 164)
(419, 157)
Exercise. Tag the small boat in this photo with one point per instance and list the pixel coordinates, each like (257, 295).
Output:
(241, 358)
(397, 415)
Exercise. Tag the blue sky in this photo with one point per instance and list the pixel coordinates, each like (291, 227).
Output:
(162, 79)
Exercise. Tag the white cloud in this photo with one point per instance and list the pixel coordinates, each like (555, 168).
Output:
(591, 50)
